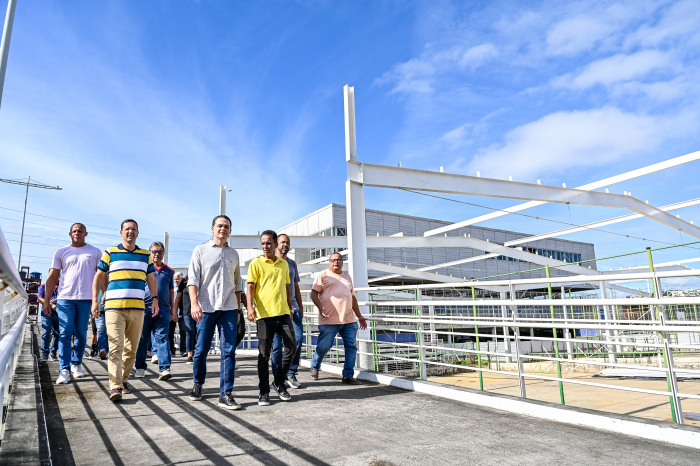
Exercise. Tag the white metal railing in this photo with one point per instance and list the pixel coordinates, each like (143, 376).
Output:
(618, 342)
(13, 311)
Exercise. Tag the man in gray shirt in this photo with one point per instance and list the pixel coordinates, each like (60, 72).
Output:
(283, 246)
(215, 293)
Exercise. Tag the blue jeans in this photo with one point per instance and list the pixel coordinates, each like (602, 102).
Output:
(191, 333)
(326, 336)
(73, 320)
(226, 322)
(276, 355)
(102, 342)
(49, 327)
(158, 326)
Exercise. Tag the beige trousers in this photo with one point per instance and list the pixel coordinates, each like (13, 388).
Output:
(124, 333)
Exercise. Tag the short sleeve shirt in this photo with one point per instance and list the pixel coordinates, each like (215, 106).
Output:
(271, 280)
(335, 292)
(185, 302)
(127, 277)
(77, 267)
(42, 291)
(293, 278)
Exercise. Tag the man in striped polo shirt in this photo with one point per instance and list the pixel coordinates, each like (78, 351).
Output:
(129, 268)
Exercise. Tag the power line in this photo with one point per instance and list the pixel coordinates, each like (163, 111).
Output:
(543, 218)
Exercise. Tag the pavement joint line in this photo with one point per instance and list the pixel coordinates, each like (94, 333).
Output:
(682, 435)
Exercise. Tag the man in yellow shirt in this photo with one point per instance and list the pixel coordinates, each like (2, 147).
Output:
(268, 280)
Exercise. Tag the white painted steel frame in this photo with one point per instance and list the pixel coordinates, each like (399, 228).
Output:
(674, 162)
(405, 178)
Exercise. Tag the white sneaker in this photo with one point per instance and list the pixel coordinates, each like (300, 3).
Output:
(140, 373)
(154, 359)
(63, 377)
(77, 372)
(165, 374)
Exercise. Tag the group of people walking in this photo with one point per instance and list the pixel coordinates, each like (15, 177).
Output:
(130, 295)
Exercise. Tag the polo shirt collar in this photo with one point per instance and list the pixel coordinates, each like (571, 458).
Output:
(272, 261)
(214, 245)
(121, 246)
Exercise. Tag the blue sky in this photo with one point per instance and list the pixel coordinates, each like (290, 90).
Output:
(142, 109)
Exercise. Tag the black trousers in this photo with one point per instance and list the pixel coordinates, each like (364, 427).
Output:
(267, 329)
(183, 334)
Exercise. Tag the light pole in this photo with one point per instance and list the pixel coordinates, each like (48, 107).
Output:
(5, 44)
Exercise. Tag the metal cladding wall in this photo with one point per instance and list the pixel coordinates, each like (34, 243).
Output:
(387, 224)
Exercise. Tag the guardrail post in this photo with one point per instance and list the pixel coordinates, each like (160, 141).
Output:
(567, 332)
(516, 332)
(555, 341)
(506, 330)
(478, 346)
(609, 333)
(421, 350)
(671, 382)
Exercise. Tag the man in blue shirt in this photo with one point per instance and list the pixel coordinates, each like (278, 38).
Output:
(160, 324)
(49, 325)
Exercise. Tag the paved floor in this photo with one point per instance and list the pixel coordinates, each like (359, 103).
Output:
(325, 423)
(609, 400)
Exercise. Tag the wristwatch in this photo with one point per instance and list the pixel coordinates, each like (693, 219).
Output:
(155, 297)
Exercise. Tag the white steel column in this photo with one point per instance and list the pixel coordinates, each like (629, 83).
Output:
(166, 244)
(506, 330)
(357, 228)
(608, 317)
(222, 200)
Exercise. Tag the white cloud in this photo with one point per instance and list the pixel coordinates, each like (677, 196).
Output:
(576, 35)
(457, 138)
(419, 74)
(566, 140)
(678, 21)
(617, 68)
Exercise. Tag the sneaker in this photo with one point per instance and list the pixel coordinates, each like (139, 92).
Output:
(154, 359)
(44, 359)
(165, 374)
(103, 354)
(190, 360)
(140, 373)
(314, 374)
(196, 393)
(264, 399)
(77, 371)
(292, 382)
(53, 357)
(63, 377)
(227, 402)
(281, 391)
(183, 355)
(93, 351)
(351, 381)
(115, 394)
(126, 389)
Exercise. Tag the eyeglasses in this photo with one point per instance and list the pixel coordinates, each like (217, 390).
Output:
(336, 260)
(157, 251)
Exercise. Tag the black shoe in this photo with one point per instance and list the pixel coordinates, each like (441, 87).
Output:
(227, 402)
(196, 393)
(93, 351)
(292, 382)
(183, 355)
(281, 391)
(190, 360)
(264, 399)
(351, 381)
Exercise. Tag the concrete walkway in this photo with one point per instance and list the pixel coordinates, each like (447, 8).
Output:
(325, 423)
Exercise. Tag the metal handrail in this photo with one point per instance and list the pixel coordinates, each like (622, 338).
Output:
(9, 277)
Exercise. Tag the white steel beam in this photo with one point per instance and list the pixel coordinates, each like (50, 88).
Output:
(674, 162)
(527, 239)
(601, 223)
(382, 176)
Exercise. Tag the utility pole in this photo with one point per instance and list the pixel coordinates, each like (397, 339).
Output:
(28, 184)
(5, 44)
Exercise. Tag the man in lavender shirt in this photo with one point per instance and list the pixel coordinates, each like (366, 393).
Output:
(75, 265)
